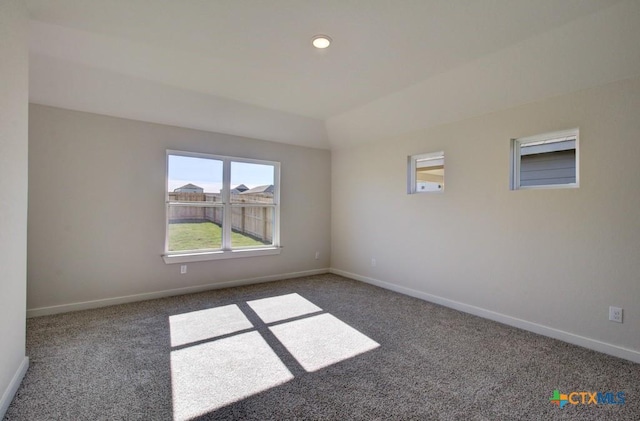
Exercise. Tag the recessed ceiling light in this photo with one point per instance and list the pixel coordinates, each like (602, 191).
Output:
(321, 41)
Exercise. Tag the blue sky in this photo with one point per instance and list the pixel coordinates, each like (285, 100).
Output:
(207, 173)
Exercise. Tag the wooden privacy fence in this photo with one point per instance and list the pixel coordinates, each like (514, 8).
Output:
(253, 221)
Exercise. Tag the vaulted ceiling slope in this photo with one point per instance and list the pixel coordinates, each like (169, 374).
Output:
(247, 67)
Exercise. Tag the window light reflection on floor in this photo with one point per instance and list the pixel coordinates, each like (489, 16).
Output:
(282, 307)
(221, 357)
(207, 324)
(320, 341)
(209, 376)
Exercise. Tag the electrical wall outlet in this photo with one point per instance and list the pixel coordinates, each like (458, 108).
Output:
(615, 314)
(317, 255)
(183, 269)
(373, 262)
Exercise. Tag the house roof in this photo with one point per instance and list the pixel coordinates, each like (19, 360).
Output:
(189, 186)
(260, 189)
(240, 188)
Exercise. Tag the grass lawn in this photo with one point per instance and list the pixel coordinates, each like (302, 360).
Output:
(203, 235)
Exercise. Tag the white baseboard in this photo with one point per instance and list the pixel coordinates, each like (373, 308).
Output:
(85, 305)
(13, 386)
(606, 348)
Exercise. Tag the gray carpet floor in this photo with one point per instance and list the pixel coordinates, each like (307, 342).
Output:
(320, 347)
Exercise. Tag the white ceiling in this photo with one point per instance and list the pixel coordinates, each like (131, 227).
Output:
(248, 68)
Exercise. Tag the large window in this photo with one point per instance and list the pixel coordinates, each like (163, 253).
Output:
(545, 161)
(220, 207)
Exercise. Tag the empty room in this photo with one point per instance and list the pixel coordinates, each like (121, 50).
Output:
(341, 209)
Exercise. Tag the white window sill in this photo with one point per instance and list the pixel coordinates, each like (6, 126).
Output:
(217, 255)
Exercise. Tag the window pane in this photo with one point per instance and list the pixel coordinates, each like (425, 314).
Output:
(194, 228)
(429, 173)
(252, 183)
(546, 160)
(193, 179)
(252, 226)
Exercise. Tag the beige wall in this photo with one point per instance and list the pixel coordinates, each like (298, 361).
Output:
(86, 169)
(555, 257)
(14, 95)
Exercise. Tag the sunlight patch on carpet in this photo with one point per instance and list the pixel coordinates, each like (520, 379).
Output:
(320, 341)
(221, 355)
(207, 324)
(209, 376)
(282, 307)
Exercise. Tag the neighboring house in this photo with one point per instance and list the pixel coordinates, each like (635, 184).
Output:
(548, 163)
(189, 188)
(260, 189)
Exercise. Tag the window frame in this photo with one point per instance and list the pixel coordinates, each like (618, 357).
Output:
(412, 166)
(226, 251)
(558, 136)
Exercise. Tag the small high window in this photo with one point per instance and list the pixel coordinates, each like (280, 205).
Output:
(426, 173)
(549, 160)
